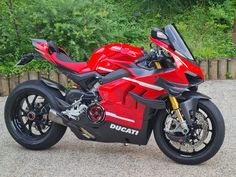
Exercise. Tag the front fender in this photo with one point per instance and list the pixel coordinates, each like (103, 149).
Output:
(189, 104)
(195, 95)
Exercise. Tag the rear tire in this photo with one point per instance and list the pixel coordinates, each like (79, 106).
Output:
(27, 120)
(208, 151)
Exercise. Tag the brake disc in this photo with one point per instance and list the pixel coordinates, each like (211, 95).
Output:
(185, 142)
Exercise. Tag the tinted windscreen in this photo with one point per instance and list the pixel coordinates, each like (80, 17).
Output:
(177, 41)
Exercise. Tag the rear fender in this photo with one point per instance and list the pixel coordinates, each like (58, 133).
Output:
(51, 85)
(54, 85)
(52, 94)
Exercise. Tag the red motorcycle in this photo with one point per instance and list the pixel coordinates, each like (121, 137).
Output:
(122, 94)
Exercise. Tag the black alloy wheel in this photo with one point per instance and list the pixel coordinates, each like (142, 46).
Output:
(30, 117)
(27, 115)
(203, 140)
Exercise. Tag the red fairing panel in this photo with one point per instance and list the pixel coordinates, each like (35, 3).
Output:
(120, 107)
(106, 56)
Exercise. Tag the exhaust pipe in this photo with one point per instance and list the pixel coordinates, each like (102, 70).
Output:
(54, 116)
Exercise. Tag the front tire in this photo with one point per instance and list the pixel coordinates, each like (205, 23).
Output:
(26, 115)
(209, 149)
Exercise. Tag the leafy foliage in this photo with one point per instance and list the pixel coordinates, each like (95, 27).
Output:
(82, 26)
(205, 25)
(79, 26)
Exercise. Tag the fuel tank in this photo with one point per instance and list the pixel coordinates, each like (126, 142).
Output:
(107, 58)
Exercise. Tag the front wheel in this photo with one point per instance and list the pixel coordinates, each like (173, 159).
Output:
(202, 141)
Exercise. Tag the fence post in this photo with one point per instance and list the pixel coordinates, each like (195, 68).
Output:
(222, 69)
(14, 80)
(53, 75)
(24, 77)
(4, 85)
(1, 87)
(33, 75)
(232, 68)
(63, 79)
(204, 66)
(44, 74)
(213, 69)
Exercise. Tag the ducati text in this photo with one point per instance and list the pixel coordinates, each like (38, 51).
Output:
(124, 129)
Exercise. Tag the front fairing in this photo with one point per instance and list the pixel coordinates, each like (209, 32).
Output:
(183, 65)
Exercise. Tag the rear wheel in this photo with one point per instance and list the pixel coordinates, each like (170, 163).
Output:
(26, 116)
(202, 141)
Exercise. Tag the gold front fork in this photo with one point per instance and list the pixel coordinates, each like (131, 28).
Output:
(175, 106)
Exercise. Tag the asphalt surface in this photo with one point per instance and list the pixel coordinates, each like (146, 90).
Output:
(73, 157)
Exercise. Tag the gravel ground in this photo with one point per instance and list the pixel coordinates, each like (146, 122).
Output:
(72, 157)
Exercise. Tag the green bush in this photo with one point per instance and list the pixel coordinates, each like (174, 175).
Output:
(82, 26)
(77, 25)
(205, 25)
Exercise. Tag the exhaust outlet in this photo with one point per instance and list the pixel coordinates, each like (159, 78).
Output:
(55, 117)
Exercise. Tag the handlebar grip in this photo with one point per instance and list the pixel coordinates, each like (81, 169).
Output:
(141, 59)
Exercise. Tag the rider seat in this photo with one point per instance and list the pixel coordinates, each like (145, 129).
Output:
(61, 58)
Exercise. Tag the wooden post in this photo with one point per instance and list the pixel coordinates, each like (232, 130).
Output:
(63, 79)
(222, 69)
(24, 77)
(1, 86)
(4, 85)
(204, 66)
(33, 75)
(212, 69)
(44, 74)
(14, 80)
(232, 68)
(53, 75)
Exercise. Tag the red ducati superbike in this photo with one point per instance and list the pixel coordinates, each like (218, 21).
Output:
(122, 94)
